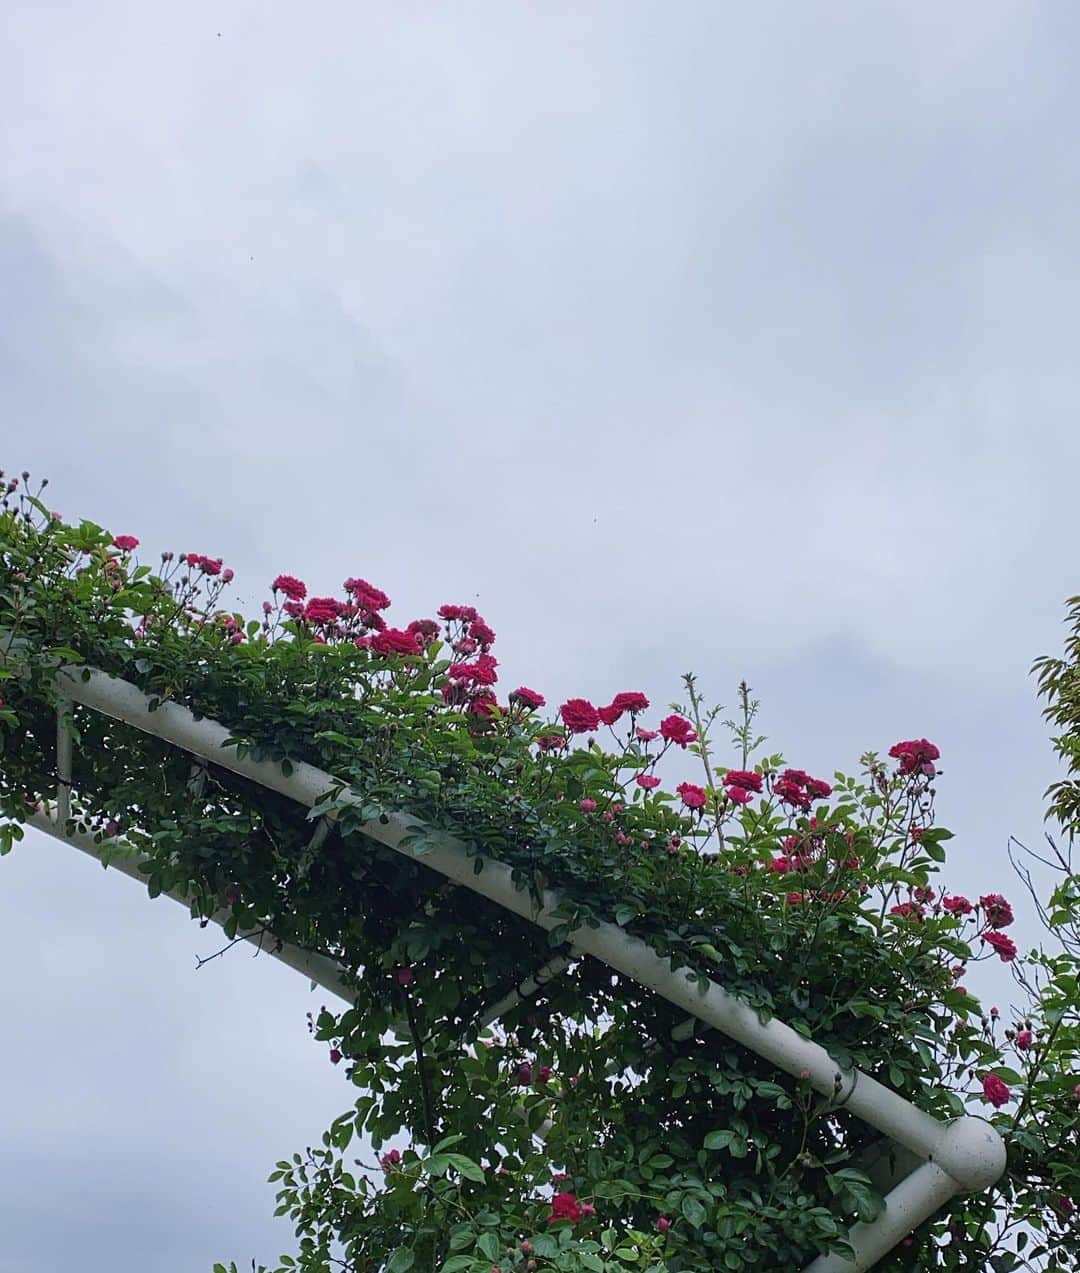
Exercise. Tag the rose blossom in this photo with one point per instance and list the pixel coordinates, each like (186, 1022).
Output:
(692, 796)
(1005, 946)
(425, 630)
(321, 610)
(998, 912)
(646, 735)
(739, 795)
(1024, 1039)
(632, 701)
(126, 543)
(586, 806)
(957, 905)
(648, 781)
(995, 1091)
(744, 778)
(675, 729)
(467, 614)
(529, 698)
(916, 755)
(579, 716)
(481, 633)
(366, 596)
(564, 1206)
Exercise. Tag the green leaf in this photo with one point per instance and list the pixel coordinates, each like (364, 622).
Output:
(401, 1261)
(466, 1167)
(693, 1211)
(488, 1246)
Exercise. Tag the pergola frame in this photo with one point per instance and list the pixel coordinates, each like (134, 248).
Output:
(964, 1155)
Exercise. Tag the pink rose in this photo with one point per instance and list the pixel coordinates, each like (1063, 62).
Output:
(1005, 946)
(677, 730)
(648, 781)
(998, 912)
(692, 796)
(995, 1091)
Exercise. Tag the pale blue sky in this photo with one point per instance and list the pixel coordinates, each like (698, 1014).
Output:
(734, 338)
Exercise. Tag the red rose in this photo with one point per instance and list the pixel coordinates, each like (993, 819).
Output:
(787, 790)
(579, 716)
(527, 697)
(677, 730)
(957, 905)
(780, 865)
(996, 909)
(744, 778)
(467, 614)
(321, 610)
(481, 633)
(425, 630)
(915, 755)
(608, 715)
(630, 701)
(480, 672)
(739, 795)
(1005, 946)
(663, 1224)
(367, 596)
(692, 796)
(907, 910)
(126, 543)
(395, 641)
(564, 1206)
(995, 1091)
(648, 781)
(1024, 1039)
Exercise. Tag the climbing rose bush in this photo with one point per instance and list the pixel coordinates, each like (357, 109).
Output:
(573, 1132)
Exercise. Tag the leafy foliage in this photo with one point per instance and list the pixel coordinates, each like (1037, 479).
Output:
(577, 1133)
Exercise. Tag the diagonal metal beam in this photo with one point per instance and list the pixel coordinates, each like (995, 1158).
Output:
(317, 968)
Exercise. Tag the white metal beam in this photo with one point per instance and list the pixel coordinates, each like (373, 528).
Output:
(317, 968)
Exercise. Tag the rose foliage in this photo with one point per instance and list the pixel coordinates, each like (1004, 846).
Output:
(573, 1133)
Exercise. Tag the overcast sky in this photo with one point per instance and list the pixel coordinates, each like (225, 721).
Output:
(729, 337)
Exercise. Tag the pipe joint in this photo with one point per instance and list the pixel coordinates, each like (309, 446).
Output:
(972, 1152)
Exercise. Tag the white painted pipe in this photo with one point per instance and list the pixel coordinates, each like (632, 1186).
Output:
(317, 968)
(526, 989)
(914, 1200)
(63, 764)
(968, 1151)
